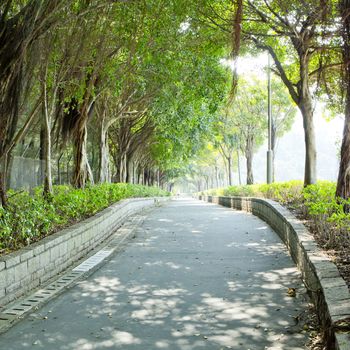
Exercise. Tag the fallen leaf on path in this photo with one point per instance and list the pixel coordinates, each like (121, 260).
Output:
(291, 292)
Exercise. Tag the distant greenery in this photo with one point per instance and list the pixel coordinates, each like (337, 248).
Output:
(30, 217)
(317, 202)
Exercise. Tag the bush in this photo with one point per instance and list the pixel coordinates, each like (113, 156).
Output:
(30, 217)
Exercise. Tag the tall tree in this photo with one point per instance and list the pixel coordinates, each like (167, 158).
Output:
(343, 184)
(20, 26)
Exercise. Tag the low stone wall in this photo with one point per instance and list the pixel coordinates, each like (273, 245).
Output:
(29, 267)
(327, 288)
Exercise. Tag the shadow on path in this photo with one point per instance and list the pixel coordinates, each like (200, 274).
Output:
(196, 276)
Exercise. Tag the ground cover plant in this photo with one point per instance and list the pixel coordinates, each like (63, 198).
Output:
(30, 217)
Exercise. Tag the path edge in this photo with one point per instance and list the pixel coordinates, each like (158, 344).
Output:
(32, 266)
(321, 277)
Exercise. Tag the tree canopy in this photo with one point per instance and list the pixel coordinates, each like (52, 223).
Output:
(133, 91)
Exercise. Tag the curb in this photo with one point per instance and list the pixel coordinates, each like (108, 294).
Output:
(321, 277)
(23, 307)
(35, 265)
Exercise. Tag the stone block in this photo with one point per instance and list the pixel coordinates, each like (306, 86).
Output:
(342, 341)
(33, 264)
(11, 288)
(44, 258)
(21, 270)
(26, 254)
(338, 293)
(54, 254)
(11, 259)
(2, 265)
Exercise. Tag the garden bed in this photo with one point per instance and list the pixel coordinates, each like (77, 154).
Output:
(30, 217)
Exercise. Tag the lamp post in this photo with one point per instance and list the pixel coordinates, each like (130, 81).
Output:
(269, 112)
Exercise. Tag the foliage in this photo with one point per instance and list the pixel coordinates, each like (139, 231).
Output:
(30, 217)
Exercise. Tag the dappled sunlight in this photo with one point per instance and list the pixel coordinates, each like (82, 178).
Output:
(262, 228)
(107, 286)
(117, 338)
(187, 284)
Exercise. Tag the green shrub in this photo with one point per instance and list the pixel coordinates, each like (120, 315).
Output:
(29, 216)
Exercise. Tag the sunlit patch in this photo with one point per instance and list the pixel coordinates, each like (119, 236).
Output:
(168, 292)
(253, 245)
(162, 344)
(99, 285)
(262, 228)
(172, 265)
(124, 338)
(233, 286)
(165, 220)
(196, 231)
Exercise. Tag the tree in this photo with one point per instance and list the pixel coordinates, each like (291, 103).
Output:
(249, 117)
(20, 26)
(343, 183)
(295, 35)
(227, 140)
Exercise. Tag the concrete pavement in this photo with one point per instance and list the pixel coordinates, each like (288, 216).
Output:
(195, 276)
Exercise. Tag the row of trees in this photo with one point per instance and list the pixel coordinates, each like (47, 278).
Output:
(130, 90)
(128, 79)
(238, 133)
(309, 44)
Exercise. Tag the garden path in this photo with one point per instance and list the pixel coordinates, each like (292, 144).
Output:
(194, 276)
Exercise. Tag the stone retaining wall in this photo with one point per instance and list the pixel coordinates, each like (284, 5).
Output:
(29, 267)
(327, 288)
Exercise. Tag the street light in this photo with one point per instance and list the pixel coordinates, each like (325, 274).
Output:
(269, 112)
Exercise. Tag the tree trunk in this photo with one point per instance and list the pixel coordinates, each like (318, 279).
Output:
(41, 173)
(250, 177)
(104, 157)
(3, 173)
(47, 146)
(59, 175)
(82, 170)
(305, 106)
(343, 183)
(229, 168)
(310, 174)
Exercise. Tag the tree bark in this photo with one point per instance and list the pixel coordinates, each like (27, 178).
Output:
(104, 173)
(229, 166)
(310, 172)
(249, 158)
(47, 145)
(305, 106)
(3, 172)
(82, 170)
(250, 177)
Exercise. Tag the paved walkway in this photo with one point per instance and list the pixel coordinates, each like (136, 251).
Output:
(196, 276)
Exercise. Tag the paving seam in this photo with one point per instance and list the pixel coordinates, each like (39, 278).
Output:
(22, 307)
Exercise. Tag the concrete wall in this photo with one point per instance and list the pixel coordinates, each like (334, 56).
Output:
(27, 268)
(327, 288)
